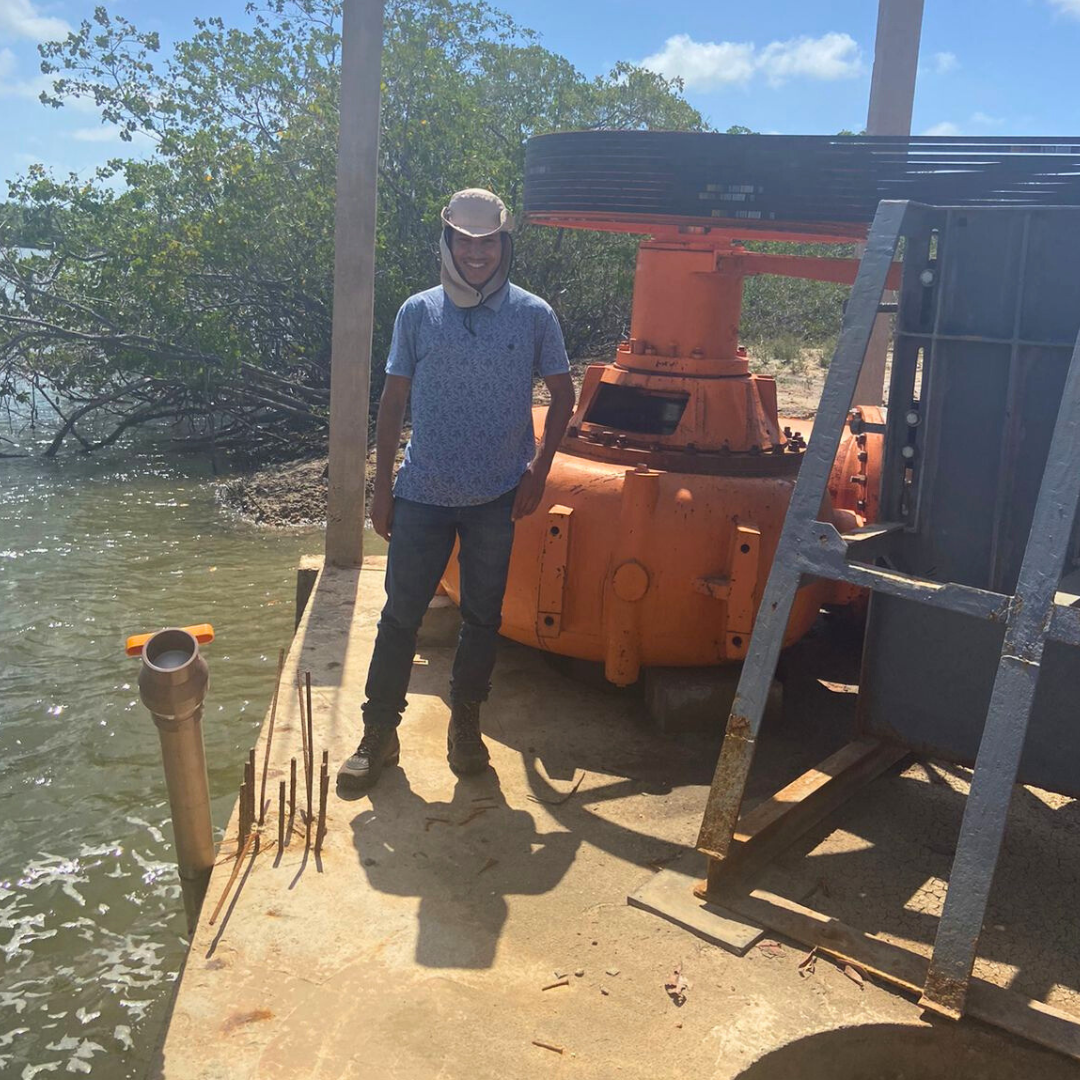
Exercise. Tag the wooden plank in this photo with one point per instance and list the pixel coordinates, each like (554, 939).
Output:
(1026, 1017)
(774, 825)
(1034, 1020)
(893, 963)
(765, 814)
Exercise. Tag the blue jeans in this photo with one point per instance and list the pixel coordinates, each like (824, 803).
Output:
(421, 540)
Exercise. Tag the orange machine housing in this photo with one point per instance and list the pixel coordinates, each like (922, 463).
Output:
(665, 502)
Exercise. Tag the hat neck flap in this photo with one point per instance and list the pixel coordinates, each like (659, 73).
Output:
(461, 293)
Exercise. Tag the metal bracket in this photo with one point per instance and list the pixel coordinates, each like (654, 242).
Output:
(553, 564)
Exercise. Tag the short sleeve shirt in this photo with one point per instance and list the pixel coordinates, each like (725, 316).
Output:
(472, 372)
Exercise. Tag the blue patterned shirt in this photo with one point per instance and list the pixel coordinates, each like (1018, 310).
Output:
(472, 373)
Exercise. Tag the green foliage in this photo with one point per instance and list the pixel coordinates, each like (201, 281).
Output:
(780, 311)
(786, 350)
(197, 284)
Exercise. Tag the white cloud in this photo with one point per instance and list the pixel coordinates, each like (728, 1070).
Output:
(12, 86)
(944, 62)
(830, 57)
(20, 18)
(104, 133)
(946, 127)
(707, 65)
(23, 88)
(109, 133)
(1067, 7)
(976, 120)
(703, 65)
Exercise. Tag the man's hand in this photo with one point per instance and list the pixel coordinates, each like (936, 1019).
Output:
(530, 491)
(382, 511)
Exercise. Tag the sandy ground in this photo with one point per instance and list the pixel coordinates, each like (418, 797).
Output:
(480, 927)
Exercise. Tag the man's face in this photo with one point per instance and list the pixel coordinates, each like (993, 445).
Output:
(476, 257)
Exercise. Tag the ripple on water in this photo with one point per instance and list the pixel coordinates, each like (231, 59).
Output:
(91, 918)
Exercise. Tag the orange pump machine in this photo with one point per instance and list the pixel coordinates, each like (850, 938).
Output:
(666, 499)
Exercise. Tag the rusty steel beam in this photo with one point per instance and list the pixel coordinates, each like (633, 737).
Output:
(819, 550)
(840, 271)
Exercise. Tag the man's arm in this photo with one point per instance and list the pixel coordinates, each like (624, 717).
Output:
(395, 397)
(531, 489)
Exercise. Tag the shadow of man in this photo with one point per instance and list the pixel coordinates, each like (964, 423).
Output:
(462, 858)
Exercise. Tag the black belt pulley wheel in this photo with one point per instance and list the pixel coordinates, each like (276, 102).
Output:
(826, 184)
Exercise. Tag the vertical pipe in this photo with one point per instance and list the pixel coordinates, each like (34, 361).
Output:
(354, 278)
(243, 827)
(324, 788)
(310, 745)
(682, 301)
(270, 736)
(172, 684)
(892, 98)
(249, 774)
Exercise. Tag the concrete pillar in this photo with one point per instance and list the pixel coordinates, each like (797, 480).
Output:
(892, 96)
(354, 278)
(896, 58)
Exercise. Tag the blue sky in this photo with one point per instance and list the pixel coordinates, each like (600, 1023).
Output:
(987, 67)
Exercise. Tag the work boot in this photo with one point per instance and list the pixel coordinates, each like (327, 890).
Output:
(378, 748)
(465, 750)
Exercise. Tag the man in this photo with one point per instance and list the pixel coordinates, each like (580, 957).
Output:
(466, 352)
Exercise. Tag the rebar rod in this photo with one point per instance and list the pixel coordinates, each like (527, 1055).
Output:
(270, 736)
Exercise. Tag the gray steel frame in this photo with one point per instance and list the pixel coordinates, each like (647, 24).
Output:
(1029, 626)
(795, 553)
(809, 547)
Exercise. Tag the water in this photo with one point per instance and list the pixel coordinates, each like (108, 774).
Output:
(92, 931)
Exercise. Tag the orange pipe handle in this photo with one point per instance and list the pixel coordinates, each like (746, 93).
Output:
(203, 633)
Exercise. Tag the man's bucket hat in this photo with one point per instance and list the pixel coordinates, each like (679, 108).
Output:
(476, 212)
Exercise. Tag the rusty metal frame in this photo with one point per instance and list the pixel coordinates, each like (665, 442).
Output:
(809, 547)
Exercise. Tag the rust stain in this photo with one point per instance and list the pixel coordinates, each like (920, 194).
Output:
(739, 726)
(944, 994)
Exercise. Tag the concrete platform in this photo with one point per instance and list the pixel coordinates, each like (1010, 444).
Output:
(419, 945)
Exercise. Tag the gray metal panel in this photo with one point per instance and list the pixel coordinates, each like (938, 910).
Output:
(1040, 378)
(1012, 706)
(1051, 298)
(932, 673)
(991, 335)
(978, 293)
(963, 431)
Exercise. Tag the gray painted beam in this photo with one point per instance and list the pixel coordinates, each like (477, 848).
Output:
(996, 766)
(748, 708)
